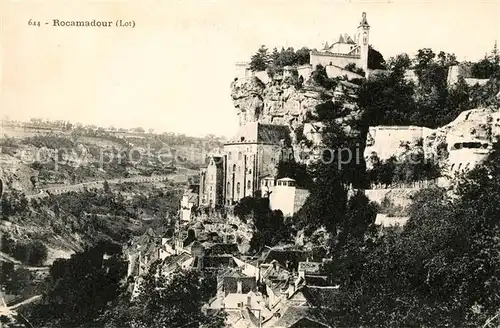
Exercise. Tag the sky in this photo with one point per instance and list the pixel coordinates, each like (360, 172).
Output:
(172, 71)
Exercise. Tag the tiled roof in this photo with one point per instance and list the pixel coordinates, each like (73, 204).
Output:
(294, 314)
(319, 295)
(172, 262)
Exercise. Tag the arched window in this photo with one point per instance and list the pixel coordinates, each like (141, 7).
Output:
(238, 188)
(234, 168)
(229, 187)
(249, 184)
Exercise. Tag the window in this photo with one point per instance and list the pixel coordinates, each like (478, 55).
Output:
(249, 184)
(234, 168)
(239, 155)
(228, 187)
(229, 155)
(238, 188)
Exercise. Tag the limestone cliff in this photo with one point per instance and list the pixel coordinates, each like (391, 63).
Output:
(284, 102)
(476, 125)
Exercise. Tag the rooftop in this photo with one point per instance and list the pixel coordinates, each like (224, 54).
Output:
(256, 132)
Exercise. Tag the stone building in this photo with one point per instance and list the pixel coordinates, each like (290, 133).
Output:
(211, 182)
(285, 196)
(346, 50)
(334, 56)
(253, 153)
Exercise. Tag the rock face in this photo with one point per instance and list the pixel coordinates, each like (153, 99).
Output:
(281, 102)
(476, 125)
(15, 175)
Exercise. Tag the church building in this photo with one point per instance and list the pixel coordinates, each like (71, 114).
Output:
(252, 154)
(345, 50)
(334, 56)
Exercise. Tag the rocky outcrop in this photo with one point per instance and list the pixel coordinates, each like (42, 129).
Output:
(475, 125)
(282, 102)
(15, 175)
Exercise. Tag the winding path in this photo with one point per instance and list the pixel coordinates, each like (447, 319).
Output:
(176, 177)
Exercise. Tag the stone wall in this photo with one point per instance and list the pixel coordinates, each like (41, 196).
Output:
(335, 71)
(339, 60)
(386, 141)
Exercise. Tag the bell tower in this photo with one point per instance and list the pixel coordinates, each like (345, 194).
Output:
(363, 35)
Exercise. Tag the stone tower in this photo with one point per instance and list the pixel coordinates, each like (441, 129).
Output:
(362, 38)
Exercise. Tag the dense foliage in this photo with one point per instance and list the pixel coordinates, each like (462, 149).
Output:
(411, 167)
(174, 301)
(441, 270)
(269, 227)
(274, 62)
(425, 100)
(341, 165)
(80, 288)
(89, 290)
(488, 67)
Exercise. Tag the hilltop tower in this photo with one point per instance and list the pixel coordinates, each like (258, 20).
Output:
(362, 39)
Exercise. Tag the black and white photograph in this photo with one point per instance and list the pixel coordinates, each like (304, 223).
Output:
(249, 164)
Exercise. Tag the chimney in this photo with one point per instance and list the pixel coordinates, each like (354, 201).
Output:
(239, 287)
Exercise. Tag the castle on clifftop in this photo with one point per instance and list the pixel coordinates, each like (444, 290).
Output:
(333, 56)
(247, 166)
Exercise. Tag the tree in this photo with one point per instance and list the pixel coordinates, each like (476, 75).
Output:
(174, 301)
(303, 56)
(320, 78)
(423, 58)
(296, 171)
(270, 229)
(375, 59)
(80, 288)
(400, 63)
(440, 270)
(260, 60)
(387, 100)
(351, 67)
(484, 69)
